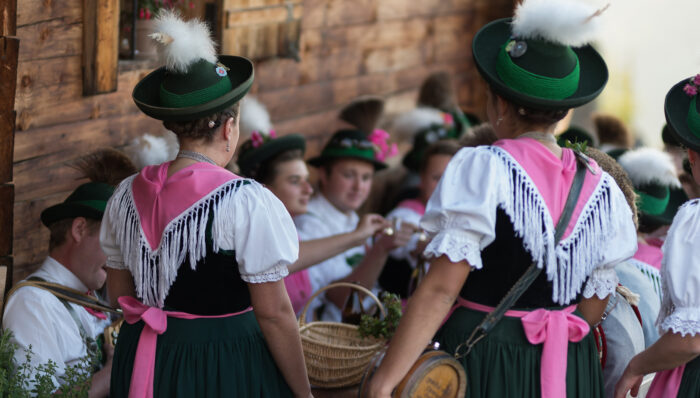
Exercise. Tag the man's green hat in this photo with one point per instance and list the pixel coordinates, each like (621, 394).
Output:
(348, 144)
(682, 111)
(194, 83)
(533, 61)
(88, 200)
(261, 148)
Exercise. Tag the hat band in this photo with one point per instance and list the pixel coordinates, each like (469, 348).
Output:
(349, 152)
(693, 118)
(533, 84)
(194, 98)
(652, 205)
(95, 204)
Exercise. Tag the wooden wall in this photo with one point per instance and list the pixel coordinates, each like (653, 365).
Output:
(348, 48)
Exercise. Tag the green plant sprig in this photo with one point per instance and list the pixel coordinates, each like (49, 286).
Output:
(382, 328)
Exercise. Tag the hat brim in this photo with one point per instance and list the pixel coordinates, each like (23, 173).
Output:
(270, 149)
(146, 94)
(63, 211)
(677, 198)
(486, 45)
(676, 108)
(320, 160)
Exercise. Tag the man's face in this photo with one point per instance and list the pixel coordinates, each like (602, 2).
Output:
(346, 184)
(90, 259)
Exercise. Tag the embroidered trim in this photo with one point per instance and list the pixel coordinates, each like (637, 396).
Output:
(653, 274)
(279, 271)
(603, 282)
(569, 264)
(457, 246)
(684, 320)
(154, 271)
(115, 262)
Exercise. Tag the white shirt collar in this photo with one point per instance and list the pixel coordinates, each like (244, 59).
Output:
(329, 213)
(53, 271)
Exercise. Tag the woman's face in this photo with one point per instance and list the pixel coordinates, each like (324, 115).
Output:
(291, 186)
(431, 175)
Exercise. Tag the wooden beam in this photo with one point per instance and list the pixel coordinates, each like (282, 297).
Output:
(9, 49)
(5, 280)
(100, 46)
(8, 17)
(7, 195)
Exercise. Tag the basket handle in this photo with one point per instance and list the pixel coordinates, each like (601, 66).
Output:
(302, 317)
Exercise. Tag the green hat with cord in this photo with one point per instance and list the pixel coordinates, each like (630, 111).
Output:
(655, 181)
(88, 200)
(348, 144)
(541, 58)
(194, 82)
(682, 110)
(261, 148)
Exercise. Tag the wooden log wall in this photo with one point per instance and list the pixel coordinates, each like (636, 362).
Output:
(347, 48)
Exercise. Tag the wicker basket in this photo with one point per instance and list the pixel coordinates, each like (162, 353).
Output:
(336, 356)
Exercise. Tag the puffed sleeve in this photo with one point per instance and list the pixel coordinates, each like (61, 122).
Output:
(262, 235)
(109, 243)
(680, 273)
(620, 245)
(461, 214)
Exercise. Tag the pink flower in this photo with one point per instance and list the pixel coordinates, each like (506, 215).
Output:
(257, 139)
(148, 14)
(191, 5)
(382, 150)
(142, 14)
(272, 134)
(696, 80)
(448, 119)
(690, 90)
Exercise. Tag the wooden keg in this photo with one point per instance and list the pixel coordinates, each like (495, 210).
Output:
(434, 374)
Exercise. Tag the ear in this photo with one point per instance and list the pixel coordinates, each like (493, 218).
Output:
(79, 229)
(230, 128)
(502, 106)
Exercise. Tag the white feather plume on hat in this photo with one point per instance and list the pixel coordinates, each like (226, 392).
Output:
(182, 43)
(254, 117)
(149, 149)
(649, 165)
(407, 124)
(567, 22)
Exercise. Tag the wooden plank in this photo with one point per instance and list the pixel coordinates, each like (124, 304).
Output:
(100, 46)
(7, 197)
(44, 73)
(8, 17)
(263, 15)
(9, 50)
(82, 136)
(6, 270)
(391, 59)
(339, 13)
(50, 39)
(55, 175)
(297, 101)
(33, 11)
(387, 34)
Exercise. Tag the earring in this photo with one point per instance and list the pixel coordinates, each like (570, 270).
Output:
(228, 146)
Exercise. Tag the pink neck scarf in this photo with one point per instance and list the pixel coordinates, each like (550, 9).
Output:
(156, 323)
(553, 329)
(159, 199)
(649, 254)
(552, 176)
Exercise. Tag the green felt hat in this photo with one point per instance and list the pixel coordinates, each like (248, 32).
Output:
(422, 140)
(348, 144)
(682, 111)
(536, 73)
(88, 200)
(575, 135)
(205, 89)
(254, 152)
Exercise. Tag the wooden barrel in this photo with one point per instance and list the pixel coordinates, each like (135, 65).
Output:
(434, 374)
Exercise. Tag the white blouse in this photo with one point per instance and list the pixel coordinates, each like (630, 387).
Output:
(247, 218)
(461, 218)
(680, 273)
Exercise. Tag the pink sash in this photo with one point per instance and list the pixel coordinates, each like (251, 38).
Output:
(666, 383)
(553, 329)
(298, 288)
(156, 322)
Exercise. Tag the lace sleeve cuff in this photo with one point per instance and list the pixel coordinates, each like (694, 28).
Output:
(683, 320)
(273, 274)
(115, 262)
(603, 282)
(457, 245)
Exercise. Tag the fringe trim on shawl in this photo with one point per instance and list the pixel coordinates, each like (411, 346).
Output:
(650, 272)
(572, 261)
(154, 271)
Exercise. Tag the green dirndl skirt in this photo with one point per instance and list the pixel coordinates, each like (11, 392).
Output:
(690, 382)
(505, 364)
(205, 357)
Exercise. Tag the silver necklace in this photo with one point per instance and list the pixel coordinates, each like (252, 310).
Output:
(539, 136)
(200, 157)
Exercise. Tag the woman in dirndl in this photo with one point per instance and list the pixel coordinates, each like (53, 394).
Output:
(195, 253)
(494, 213)
(674, 356)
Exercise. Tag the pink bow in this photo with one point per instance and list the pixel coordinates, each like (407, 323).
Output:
(156, 322)
(555, 329)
